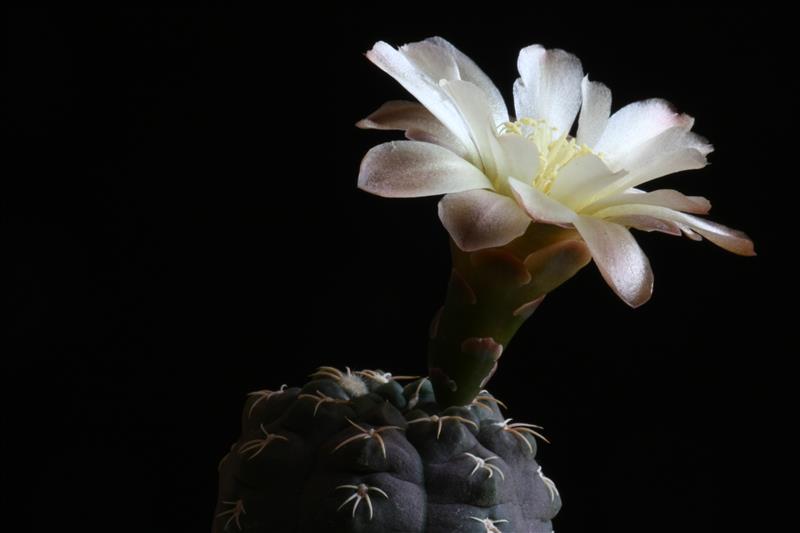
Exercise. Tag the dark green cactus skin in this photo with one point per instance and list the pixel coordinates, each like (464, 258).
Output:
(423, 484)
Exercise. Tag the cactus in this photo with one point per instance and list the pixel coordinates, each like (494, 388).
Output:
(527, 206)
(358, 452)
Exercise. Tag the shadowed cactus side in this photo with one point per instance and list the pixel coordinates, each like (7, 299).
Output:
(358, 452)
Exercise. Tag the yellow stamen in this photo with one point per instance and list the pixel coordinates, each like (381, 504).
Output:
(554, 154)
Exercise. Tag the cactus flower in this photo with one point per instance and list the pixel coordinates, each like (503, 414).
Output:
(499, 174)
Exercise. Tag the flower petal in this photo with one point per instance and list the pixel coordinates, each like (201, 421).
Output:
(690, 233)
(729, 239)
(520, 158)
(726, 238)
(646, 223)
(467, 70)
(418, 123)
(636, 123)
(674, 148)
(668, 141)
(619, 259)
(421, 85)
(581, 178)
(404, 169)
(539, 206)
(473, 107)
(662, 197)
(595, 110)
(549, 87)
(482, 219)
(431, 59)
(663, 165)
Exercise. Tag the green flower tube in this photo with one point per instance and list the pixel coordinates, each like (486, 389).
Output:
(490, 295)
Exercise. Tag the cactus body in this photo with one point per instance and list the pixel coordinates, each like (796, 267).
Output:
(358, 452)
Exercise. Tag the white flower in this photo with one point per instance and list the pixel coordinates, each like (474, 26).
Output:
(499, 175)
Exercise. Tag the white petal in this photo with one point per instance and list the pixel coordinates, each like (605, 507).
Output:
(482, 219)
(469, 71)
(636, 123)
(403, 169)
(662, 197)
(646, 223)
(549, 86)
(729, 239)
(581, 179)
(520, 159)
(595, 110)
(670, 140)
(421, 85)
(418, 123)
(474, 108)
(663, 165)
(539, 206)
(619, 259)
(673, 150)
(433, 60)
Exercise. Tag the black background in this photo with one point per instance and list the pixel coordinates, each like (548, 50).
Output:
(180, 225)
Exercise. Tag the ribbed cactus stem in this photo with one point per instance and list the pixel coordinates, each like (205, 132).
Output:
(490, 294)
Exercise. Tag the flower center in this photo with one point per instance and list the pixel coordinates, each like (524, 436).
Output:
(553, 153)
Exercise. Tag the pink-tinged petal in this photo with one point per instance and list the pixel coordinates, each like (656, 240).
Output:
(520, 159)
(469, 71)
(729, 239)
(526, 310)
(482, 346)
(418, 123)
(668, 141)
(482, 219)
(619, 259)
(421, 85)
(502, 265)
(726, 238)
(405, 169)
(553, 264)
(473, 107)
(663, 197)
(581, 178)
(636, 123)
(645, 223)
(595, 110)
(539, 206)
(549, 87)
(690, 233)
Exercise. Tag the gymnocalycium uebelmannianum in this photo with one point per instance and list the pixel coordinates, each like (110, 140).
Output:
(527, 204)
